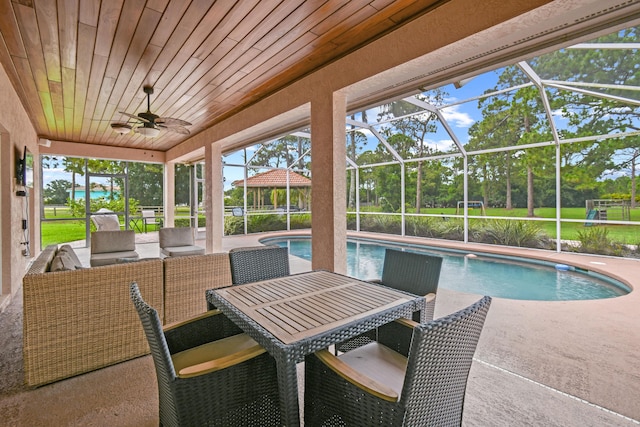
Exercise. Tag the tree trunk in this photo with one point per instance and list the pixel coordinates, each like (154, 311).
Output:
(419, 188)
(530, 209)
(368, 195)
(73, 186)
(508, 204)
(351, 152)
(633, 182)
(352, 189)
(485, 186)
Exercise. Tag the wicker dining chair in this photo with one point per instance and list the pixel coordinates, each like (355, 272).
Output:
(411, 272)
(377, 384)
(209, 372)
(255, 263)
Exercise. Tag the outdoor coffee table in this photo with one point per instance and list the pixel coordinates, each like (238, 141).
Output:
(300, 314)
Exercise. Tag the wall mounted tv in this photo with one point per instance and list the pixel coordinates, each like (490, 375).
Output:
(25, 169)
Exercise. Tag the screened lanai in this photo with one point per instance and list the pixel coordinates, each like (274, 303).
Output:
(547, 146)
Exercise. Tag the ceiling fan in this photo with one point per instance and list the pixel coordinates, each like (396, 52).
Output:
(148, 124)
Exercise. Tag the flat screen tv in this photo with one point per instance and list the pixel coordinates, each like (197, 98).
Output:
(25, 169)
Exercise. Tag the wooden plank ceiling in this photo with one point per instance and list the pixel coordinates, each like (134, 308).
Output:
(76, 64)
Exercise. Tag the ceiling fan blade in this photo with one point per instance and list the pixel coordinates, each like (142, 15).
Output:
(150, 121)
(133, 116)
(177, 129)
(170, 121)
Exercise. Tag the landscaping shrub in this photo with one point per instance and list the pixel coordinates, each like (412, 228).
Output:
(596, 240)
(77, 207)
(512, 233)
(450, 229)
(351, 222)
(258, 223)
(298, 221)
(420, 226)
(233, 225)
(381, 224)
(186, 222)
(528, 234)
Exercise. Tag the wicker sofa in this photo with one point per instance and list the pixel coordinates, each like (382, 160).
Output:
(79, 320)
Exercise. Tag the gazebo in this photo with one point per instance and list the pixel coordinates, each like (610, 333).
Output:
(275, 179)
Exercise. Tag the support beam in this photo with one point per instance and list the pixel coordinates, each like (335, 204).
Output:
(328, 174)
(169, 198)
(213, 200)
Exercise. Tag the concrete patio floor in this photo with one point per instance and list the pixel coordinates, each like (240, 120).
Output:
(573, 363)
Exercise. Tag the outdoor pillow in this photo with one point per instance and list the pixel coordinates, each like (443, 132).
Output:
(63, 262)
(69, 250)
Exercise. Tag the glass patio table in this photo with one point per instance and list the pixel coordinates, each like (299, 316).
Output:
(296, 315)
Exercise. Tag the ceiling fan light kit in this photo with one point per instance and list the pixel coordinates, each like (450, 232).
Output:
(121, 128)
(147, 132)
(148, 124)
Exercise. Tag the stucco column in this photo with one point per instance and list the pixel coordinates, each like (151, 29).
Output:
(213, 201)
(169, 194)
(9, 245)
(328, 176)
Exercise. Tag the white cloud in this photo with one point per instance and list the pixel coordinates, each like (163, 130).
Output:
(441, 144)
(457, 118)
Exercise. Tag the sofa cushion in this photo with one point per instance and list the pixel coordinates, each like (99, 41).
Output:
(109, 258)
(113, 241)
(182, 251)
(63, 261)
(171, 237)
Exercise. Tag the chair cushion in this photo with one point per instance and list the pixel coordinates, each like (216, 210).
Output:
(182, 250)
(171, 237)
(379, 363)
(106, 222)
(212, 351)
(111, 257)
(113, 241)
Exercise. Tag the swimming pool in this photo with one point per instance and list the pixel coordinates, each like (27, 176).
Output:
(499, 276)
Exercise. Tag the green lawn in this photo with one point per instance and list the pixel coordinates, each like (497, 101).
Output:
(628, 234)
(62, 231)
(67, 231)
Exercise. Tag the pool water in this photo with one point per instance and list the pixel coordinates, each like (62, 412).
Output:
(483, 275)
